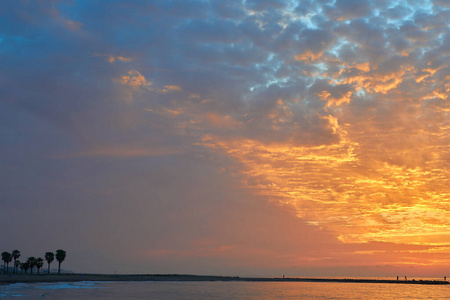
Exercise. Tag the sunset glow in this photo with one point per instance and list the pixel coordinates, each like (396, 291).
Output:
(230, 137)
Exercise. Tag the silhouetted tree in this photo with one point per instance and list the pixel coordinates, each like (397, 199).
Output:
(60, 256)
(16, 264)
(39, 263)
(25, 266)
(15, 254)
(49, 257)
(32, 262)
(7, 258)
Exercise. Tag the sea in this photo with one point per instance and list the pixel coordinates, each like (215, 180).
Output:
(221, 290)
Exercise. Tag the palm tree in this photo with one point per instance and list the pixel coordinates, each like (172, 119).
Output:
(4, 258)
(16, 264)
(25, 266)
(15, 254)
(32, 262)
(60, 256)
(39, 263)
(49, 257)
(7, 258)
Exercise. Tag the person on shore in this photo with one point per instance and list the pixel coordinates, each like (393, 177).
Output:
(397, 278)
(406, 279)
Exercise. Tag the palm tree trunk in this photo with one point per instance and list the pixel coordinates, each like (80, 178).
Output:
(59, 267)
(49, 268)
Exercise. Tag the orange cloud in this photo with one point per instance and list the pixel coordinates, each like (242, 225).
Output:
(332, 101)
(308, 56)
(374, 82)
(364, 67)
(221, 121)
(134, 79)
(348, 187)
(112, 59)
(170, 88)
(426, 73)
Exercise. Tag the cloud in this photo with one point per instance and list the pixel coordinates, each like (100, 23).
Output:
(180, 125)
(265, 4)
(350, 9)
(112, 58)
(134, 79)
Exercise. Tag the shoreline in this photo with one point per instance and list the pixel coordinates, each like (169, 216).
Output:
(46, 278)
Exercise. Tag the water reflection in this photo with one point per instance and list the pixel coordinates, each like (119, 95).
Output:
(229, 290)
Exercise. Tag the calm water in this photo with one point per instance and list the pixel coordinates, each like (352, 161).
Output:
(222, 290)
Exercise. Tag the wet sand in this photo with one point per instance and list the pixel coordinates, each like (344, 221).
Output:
(18, 278)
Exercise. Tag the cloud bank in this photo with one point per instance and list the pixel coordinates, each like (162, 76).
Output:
(228, 136)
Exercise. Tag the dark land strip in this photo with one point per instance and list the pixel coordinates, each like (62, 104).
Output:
(18, 278)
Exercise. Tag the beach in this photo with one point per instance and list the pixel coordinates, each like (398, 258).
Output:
(43, 278)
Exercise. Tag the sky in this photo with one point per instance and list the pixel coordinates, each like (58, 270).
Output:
(227, 137)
